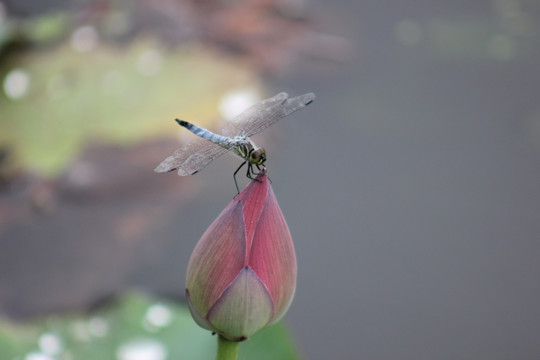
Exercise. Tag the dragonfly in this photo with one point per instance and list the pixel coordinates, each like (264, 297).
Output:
(193, 156)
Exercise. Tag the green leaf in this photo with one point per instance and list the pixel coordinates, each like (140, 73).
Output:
(63, 99)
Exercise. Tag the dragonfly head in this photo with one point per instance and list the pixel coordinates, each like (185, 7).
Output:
(257, 157)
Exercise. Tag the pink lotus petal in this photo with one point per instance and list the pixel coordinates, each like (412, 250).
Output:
(253, 198)
(273, 257)
(217, 258)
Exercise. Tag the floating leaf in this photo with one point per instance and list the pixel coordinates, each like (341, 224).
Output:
(115, 331)
(119, 95)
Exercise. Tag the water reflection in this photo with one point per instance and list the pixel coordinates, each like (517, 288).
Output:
(157, 316)
(84, 39)
(16, 84)
(142, 349)
(98, 326)
(50, 344)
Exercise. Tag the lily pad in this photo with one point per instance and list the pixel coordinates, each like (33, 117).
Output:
(56, 100)
(134, 326)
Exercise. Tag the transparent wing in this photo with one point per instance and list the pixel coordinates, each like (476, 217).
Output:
(265, 113)
(191, 158)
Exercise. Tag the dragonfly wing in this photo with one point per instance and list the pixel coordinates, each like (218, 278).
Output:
(265, 113)
(191, 158)
(235, 125)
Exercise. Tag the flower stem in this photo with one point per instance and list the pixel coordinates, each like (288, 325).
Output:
(227, 350)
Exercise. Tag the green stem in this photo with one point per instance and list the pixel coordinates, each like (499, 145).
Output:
(226, 350)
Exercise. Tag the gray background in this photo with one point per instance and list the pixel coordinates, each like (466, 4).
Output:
(411, 188)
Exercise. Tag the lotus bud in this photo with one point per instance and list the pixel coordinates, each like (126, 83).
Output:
(241, 276)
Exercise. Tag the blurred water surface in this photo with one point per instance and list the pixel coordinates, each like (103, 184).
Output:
(411, 186)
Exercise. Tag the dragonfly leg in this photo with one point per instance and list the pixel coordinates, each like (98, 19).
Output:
(250, 172)
(234, 175)
(261, 168)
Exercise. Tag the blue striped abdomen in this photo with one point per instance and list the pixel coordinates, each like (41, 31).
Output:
(221, 140)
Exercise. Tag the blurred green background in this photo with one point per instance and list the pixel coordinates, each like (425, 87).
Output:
(410, 185)
(133, 327)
